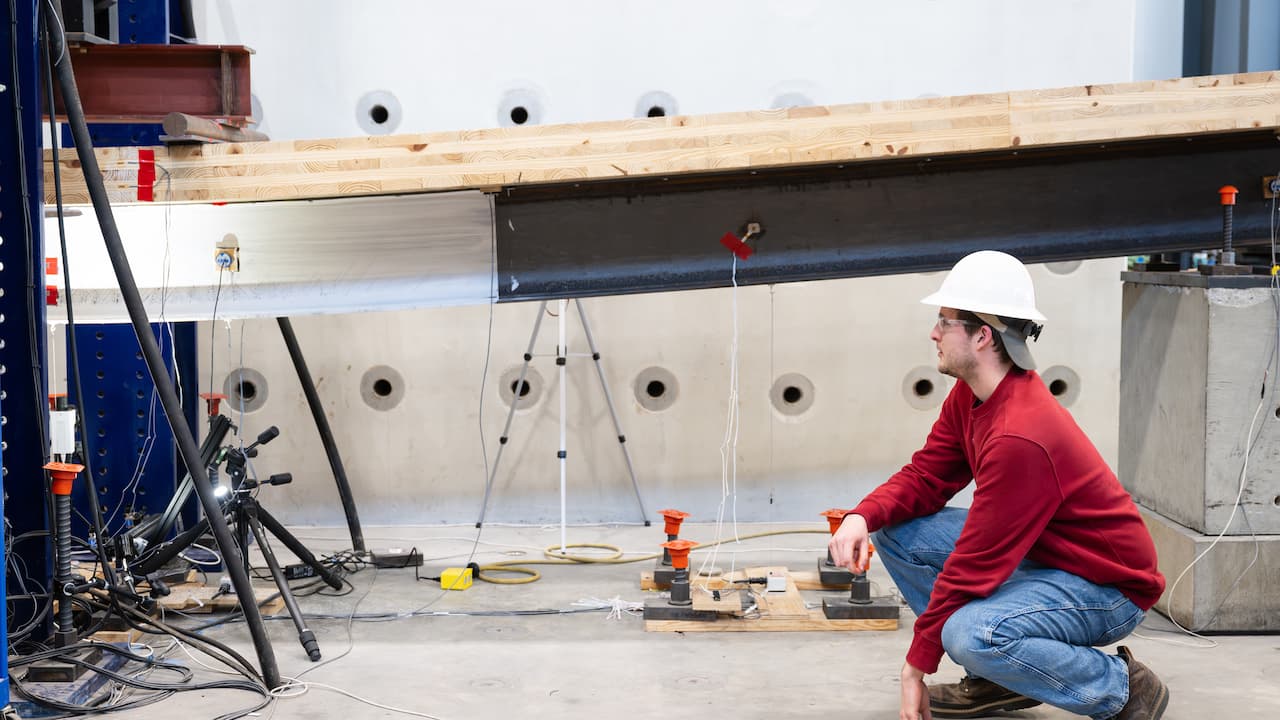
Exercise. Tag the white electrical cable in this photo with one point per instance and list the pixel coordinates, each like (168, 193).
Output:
(293, 684)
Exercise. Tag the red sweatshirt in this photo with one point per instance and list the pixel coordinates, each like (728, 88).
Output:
(1043, 492)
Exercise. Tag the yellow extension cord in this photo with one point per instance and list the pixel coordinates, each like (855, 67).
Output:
(555, 557)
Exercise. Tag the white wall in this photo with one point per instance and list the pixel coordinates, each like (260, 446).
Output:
(450, 63)
(857, 341)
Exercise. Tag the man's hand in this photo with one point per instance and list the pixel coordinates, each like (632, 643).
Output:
(915, 696)
(850, 546)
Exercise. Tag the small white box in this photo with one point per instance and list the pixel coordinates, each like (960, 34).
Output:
(775, 583)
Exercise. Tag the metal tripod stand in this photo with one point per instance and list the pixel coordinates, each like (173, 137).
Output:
(562, 355)
(251, 519)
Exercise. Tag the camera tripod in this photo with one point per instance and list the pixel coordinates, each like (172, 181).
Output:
(242, 508)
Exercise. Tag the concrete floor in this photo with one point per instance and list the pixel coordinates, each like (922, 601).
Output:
(589, 666)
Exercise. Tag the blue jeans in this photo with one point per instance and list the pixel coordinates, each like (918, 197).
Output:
(1034, 635)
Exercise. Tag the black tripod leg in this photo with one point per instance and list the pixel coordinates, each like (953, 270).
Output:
(297, 548)
(172, 549)
(305, 636)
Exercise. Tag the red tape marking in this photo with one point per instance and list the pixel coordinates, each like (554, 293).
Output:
(146, 174)
(736, 246)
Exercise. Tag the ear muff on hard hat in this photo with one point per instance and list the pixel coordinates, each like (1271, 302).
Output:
(1014, 333)
(997, 288)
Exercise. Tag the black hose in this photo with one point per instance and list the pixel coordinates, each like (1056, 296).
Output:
(186, 21)
(155, 362)
(95, 510)
(326, 433)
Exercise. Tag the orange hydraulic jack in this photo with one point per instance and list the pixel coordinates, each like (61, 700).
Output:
(662, 572)
(828, 572)
(860, 605)
(680, 604)
(63, 669)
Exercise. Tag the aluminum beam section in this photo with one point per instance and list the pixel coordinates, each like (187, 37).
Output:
(295, 258)
(22, 345)
(133, 83)
(878, 218)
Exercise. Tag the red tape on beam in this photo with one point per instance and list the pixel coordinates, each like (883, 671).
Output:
(736, 246)
(146, 174)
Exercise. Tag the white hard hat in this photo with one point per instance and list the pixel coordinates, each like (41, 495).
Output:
(989, 282)
(997, 288)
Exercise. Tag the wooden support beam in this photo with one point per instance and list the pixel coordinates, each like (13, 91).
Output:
(598, 152)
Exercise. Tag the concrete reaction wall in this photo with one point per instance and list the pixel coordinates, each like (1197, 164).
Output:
(856, 354)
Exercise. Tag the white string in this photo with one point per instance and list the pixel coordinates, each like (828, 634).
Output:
(617, 606)
(728, 447)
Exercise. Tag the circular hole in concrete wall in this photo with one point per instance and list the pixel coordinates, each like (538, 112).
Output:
(1063, 383)
(378, 112)
(924, 388)
(246, 390)
(381, 387)
(520, 106)
(790, 99)
(656, 104)
(656, 388)
(529, 391)
(791, 394)
(1065, 267)
(1276, 501)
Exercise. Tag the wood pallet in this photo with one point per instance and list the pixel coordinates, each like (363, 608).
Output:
(198, 599)
(774, 612)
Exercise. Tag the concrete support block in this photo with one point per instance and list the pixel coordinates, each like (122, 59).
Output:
(1204, 598)
(1193, 352)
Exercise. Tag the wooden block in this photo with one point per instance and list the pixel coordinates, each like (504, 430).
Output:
(199, 599)
(123, 637)
(809, 580)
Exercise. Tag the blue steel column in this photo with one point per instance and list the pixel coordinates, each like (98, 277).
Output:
(22, 347)
(134, 458)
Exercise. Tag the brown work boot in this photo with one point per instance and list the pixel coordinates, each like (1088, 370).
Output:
(974, 697)
(1148, 697)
